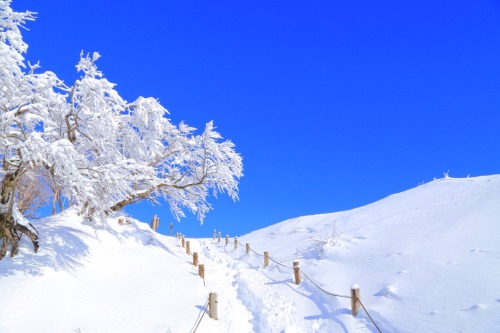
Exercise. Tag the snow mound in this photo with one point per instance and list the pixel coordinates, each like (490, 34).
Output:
(388, 292)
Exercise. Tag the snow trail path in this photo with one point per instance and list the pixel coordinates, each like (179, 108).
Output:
(252, 298)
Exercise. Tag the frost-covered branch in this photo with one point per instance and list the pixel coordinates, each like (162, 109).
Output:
(87, 145)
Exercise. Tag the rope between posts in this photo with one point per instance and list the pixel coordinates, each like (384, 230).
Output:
(369, 315)
(279, 263)
(199, 321)
(256, 252)
(323, 290)
(306, 276)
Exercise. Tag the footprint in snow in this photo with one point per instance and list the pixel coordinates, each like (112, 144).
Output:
(476, 308)
(388, 292)
(360, 237)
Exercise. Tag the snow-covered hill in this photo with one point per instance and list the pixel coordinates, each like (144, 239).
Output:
(426, 260)
(122, 279)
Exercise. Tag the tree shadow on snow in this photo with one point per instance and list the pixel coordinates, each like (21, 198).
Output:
(61, 248)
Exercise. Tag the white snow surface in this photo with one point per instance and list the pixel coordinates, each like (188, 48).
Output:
(425, 260)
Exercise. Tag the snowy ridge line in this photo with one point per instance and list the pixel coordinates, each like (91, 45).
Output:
(314, 283)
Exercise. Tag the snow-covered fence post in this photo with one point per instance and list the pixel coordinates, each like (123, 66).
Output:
(266, 259)
(235, 243)
(155, 222)
(219, 237)
(355, 298)
(195, 259)
(215, 232)
(296, 272)
(212, 306)
(183, 242)
(201, 270)
(188, 247)
(248, 247)
(227, 239)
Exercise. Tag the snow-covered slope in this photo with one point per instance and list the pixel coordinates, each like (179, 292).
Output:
(426, 260)
(122, 279)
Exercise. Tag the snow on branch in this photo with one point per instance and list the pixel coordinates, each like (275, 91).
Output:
(95, 149)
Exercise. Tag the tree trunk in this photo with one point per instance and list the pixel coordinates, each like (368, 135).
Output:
(11, 231)
(57, 195)
(54, 201)
(59, 201)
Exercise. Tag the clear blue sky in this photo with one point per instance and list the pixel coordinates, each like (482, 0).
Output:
(333, 104)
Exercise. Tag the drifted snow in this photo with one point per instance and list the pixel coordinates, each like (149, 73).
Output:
(425, 260)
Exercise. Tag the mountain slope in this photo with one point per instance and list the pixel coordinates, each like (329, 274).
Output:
(120, 279)
(426, 260)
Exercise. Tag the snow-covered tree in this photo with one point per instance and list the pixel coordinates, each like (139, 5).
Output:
(92, 147)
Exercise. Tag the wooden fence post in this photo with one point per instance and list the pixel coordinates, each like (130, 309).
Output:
(212, 306)
(183, 242)
(266, 259)
(235, 243)
(155, 222)
(195, 259)
(219, 237)
(248, 247)
(215, 232)
(188, 247)
(296, 272)
(201, 270)
(227, 239)
(355, 299)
